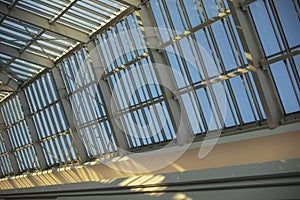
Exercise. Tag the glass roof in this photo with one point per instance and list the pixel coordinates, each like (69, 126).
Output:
(84, 15)
(19, 69)
(81, 83)
(4, 91)
(22, 34)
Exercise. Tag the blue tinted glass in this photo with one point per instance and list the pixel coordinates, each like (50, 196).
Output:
(289, 20)
(192, 11)
(285, 87)
(264, 27)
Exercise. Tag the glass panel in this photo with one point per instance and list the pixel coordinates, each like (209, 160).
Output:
(286, 86)
(140, 108)
(50, 122)
(86, 99)
(278, 27)
(208, 61)
(5, 164)
(19, 135)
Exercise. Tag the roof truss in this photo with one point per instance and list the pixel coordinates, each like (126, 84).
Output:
(43, 23)
(27, 56)
(52, 33)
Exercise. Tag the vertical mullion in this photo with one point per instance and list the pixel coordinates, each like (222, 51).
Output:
(88, 145)
(248, 96)
(159, 124)
(8, 114)
(128, 39)
(229, 25)
(99, 101)
(262, 79)
(32, 131)
(15, 136)
(285, 44)
(94, 140)
(272, 24)
(67, 112)
(166, 19)
(9, 143)
(102, 140)
(133, 132)
(105, 93)
(123, 53)
(146, 19)
(56, 132)
(11, 139)
(53, 151)
(23, 162)
(151, 98)
(165, 110)
(197, 106)
(138, 96)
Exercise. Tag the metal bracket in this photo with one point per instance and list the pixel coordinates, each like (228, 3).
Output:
(263, 64)
(244, 4)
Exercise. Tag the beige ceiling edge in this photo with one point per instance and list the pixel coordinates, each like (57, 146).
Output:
(258, 150)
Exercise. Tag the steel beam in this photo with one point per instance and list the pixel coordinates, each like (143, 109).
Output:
(13, 4)
(69, 114)
(2, 19)
(133, 3)
(112, 22)
(33, 132)
(27, 56)
(254, 55)
(1, 175)
(43, 23)
(119, 135)
(3, 67)
(245, 3)
(196, 28)
(63, 11)
(34, 40)
(179, 118)
(96, 32)
(8, 146)
(280, 57)
(10, 82)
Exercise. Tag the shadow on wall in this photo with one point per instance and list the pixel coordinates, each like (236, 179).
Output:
(115, 172)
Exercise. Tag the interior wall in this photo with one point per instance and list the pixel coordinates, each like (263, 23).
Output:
(269, 180)
(256, 150)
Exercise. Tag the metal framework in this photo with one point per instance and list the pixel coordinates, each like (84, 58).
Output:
(45, 32)
(83, 80)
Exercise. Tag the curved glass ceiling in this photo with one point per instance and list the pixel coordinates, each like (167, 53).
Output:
(91, 79)
(36, 33)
